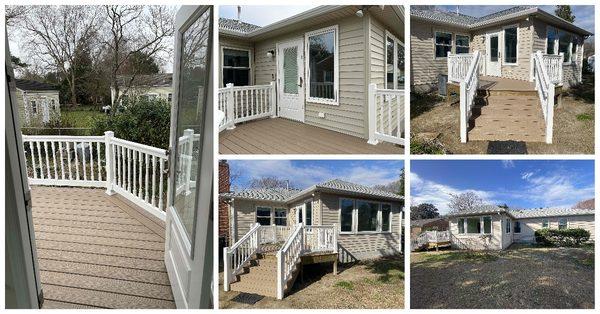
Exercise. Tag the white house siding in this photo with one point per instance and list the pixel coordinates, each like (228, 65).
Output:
(425, 68)
(522, 69)
(161, 92)
(507, 237)
(234, 43)
(26, 115)
(245, 215)
(315, 211)
(476, 241)
(530, 225)
(366, 245)
(349, 117)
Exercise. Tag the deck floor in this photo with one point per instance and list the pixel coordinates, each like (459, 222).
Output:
(282, 136)
(504, 84)
(98, 251)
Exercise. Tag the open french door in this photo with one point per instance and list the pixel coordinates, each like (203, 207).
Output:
(188, 242)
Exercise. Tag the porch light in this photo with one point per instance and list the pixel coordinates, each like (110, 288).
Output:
(270, 53)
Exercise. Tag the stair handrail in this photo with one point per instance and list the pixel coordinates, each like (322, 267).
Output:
(236, 256)
(419, 241)
(468, 90)
(545, 89)
(287, 257)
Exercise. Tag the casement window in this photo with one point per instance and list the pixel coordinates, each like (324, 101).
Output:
(358, 216)
(462, 43)
(545, 223)
(564, 45)
(507, 226)
(473, 225)
(263, 215)
(394, 62)
(280, 216)
(461, 225)
(510, 45)
(552, 41)
(487, 224)
(443, 44)
(34, 108)
(562, 223)
(236, 67)
(517, 228)
(322, 65)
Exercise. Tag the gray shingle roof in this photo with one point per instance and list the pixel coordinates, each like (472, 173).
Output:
(422, 222)
(478, 210)
(237, 26)
(549, 212)
(463, 19)
(34, 85)
(344, 186)
(273, 195)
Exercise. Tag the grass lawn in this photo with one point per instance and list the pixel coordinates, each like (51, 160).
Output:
(367, 285)
(81, 117)
(519, 277)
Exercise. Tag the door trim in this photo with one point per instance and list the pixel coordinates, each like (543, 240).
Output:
(302, 97)
(488, 35)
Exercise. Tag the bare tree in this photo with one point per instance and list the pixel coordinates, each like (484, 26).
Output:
(54, 34)
(15, 14)
(132, 29)
(586, 204)
(270, 183)
(464, 201)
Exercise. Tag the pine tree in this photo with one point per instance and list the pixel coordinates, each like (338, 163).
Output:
(564, 12)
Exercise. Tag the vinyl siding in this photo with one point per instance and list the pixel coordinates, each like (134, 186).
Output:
(349, 117)
(234, 43)
(377, 49)
(530, 225)
(475, 241)
(36, 119)
(361, 246)
(245, 215)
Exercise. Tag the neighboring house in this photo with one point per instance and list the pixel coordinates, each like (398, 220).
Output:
(150, 86)
(517, 62)
(419, 225)
(496, 228)
(38, 102)
(320, 64)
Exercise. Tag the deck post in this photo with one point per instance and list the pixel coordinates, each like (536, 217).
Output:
(335, 248)
(531, 67)
(226, 268)
(272, 99)
(463, 112)
(560, 68)
(230, 106)
(372, 113)
(550, 114)
(108, 152)
(279, 275)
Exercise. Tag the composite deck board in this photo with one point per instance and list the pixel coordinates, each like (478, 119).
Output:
(97, 251)
(49, 304)
(282, 136)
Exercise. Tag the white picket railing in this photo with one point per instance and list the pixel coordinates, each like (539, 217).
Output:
(320, 238)
(458, 66)
(274, 233)
(545, 89)
(554, 67)
(236, 256)
(430, 237)
(386, 115)
(288, 257)
(133, 170)
(184, 179)
(468, 92)
(245, 103)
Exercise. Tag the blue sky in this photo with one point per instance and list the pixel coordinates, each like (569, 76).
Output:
(584, 14)
(518, 183)
(304, 173)
(262, 15)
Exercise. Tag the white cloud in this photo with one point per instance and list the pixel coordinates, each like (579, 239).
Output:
(508, 164)
(526, 175)
(555, 189)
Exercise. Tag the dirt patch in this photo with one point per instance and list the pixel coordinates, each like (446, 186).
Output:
(573, 131)
(373, 284)
(521, 277)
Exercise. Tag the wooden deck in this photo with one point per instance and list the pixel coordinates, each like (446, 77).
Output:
(98, 251)
(282, 136)
(503, 84)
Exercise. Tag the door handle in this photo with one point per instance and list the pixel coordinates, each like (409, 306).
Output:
(301, 82)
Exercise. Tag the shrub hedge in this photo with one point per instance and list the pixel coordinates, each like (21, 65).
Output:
(562, 237)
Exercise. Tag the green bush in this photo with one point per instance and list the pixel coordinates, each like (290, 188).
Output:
(426, 147)
(140, 120)
(562, 237)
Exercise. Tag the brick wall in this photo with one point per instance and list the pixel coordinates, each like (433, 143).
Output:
(224, 186)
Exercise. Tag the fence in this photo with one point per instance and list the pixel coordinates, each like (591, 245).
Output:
(386, 115)
(545, 88)
(468, 91)
(244, 103)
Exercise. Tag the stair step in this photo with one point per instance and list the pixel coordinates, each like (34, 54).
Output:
(259, 277)
(255, 287)
(511, 121)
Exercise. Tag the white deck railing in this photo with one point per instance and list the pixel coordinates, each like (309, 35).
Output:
(274, 234)
(386, 115)
(288, 257)
(545, 89)
(133, 170)
(554, 67)
(458, 66)
(468, 91)
(245, 103)
(236, 256)
(430, 237)
(320, 238)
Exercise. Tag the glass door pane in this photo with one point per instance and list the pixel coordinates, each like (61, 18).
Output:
(290, 70)
(193, 81)
(494, 48)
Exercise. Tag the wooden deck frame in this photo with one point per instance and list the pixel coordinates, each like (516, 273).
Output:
(98, 251)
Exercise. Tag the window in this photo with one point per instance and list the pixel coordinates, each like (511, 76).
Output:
(443, 44)
(169, 97)
(545, 223)
(53, 104)
(461, 225)
(394, 62)
(564, 45)
(322, 65)
(33, 106)
(507, 226)
(551, 40)
(574, 45)
(494, 48)
(473, 225)
(517, 227)
(386, 211)
(346, 213)
(263, 215)
(308, 213)
(280, 216)
(510, 45)
(236, 67)
(562, 223)
(487, 224)
(462, 44)
(367, 216)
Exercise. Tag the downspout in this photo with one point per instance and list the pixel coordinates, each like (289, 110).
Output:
(232, 226)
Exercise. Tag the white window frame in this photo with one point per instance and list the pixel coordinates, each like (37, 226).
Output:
(355, 216)
(481, 225)
(464, 231)
(566, 223)
(504, 28)
(397, 42)
(554, 42)
(520, 227)
(508, 226)
(547, 222)
(303, 207)
(275, 209)
(435, 44)
(250, 65)
(491, 224)
(34, 107)
(336, 70)
(456, 42)
(263, 207)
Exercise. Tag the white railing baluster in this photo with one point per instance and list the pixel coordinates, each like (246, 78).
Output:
(160, 185)
(39, 150)
(69, 160)
(47, 159)
(385, 111)
(128, 169)
(83, 161)
(153, 198)
(62, 162)
(32, 153)
(99, 164)
(146, 182)
(140, 186)
(91, 161)
(76, 161)
(245, 103)
(54, 160)
(134, 164)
